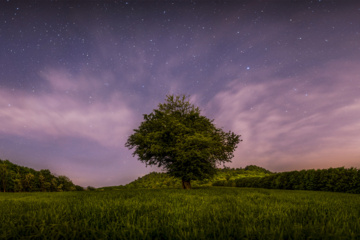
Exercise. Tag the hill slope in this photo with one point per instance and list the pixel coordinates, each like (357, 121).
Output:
(331, 180)
(222, 177)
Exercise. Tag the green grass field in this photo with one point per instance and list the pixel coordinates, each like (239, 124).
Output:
(205, 213)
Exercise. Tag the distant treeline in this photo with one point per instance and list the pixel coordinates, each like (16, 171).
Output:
(15, 178)
(331, 180)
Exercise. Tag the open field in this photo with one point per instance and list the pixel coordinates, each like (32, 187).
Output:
(207, 213)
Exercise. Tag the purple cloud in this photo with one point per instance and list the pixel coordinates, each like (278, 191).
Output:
(287, 126)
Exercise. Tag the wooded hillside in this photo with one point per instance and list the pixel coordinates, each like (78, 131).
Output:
(15, 178)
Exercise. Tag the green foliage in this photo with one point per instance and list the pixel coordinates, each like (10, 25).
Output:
(155, 180)
(79, 188)
(256, 168)
(207, 213)
(111, 188)
(332, 180)
(15, 178)
(176, 137)
(90, 188)
(222, 177)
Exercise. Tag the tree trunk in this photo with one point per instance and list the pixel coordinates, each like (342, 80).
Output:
(186, 184)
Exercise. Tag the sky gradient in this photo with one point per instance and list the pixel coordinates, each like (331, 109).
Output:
(76, 79)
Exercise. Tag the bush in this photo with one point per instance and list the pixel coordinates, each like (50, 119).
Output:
(332, 180)
(90, 188)
(79, 188)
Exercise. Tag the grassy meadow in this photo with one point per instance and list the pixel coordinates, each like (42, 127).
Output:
(202, 213)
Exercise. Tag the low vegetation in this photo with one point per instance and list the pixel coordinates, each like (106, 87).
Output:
(134, 211)
(331, 180)
(164, 180)
(203, 213)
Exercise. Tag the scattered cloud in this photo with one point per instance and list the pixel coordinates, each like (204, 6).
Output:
(72, 108)
(288, 126)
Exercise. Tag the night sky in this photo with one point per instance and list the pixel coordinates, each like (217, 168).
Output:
(77, 77)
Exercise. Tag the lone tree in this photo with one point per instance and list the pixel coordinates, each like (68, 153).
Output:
(187, 145)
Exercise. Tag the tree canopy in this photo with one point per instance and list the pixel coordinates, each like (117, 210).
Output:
(178, 138)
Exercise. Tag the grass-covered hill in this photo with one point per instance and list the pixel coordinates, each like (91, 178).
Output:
(223, 176)
(15, 178)
(330, 180)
